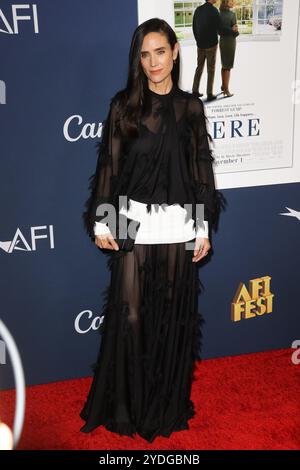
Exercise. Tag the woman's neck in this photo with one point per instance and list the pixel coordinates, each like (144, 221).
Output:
(161, 88)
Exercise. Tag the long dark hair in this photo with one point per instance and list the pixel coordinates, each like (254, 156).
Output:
(132, 100)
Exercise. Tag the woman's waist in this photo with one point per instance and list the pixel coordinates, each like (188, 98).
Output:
(135, 204)
(138, 210)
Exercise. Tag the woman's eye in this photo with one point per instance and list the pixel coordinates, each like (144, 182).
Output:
(144, 55)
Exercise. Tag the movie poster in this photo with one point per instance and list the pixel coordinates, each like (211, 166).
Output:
(254, 130)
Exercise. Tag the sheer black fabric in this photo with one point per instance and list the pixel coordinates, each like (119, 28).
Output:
(170, 162)
(151, 338)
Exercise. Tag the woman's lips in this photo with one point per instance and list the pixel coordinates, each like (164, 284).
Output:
(156, 71)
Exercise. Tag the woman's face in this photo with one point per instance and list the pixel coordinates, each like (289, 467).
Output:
(157, 57)
(230, 4)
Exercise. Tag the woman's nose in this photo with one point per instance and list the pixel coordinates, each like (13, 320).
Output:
(153, 61)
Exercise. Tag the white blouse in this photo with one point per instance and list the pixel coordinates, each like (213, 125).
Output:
(158, 226)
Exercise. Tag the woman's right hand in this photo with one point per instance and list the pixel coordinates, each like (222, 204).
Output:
(106, 241)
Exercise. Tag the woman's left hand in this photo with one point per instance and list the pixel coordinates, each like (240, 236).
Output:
(202, 246)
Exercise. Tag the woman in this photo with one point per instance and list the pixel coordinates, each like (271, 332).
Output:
(227, 43)
(154, 150)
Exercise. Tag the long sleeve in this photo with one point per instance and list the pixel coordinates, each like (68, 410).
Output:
(201, 165)
(223, 30)
(203, 231)
(101, 228)
(103, 181)
(195, 24)
(234, 21)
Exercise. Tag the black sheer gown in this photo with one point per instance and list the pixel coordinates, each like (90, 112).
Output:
(151, 334)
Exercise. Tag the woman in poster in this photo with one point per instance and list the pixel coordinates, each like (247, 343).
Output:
(227, 43)
(155, 150)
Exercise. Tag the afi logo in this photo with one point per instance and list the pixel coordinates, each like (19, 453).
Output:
(20, 243)
(12, 27)
(86, 131)
(2, 92)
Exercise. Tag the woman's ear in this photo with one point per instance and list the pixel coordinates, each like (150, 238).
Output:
(175, 50)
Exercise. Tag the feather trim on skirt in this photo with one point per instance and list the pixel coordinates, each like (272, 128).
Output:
(150, 342)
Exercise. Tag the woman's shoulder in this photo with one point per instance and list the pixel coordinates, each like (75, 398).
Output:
(226, 13)
(190, 101)
(119, 98)
(194, 105)
(188, 95)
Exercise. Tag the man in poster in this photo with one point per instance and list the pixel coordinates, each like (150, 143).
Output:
(206, 27)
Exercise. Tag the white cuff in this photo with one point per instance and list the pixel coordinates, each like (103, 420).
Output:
(101, 229)
(203, 232)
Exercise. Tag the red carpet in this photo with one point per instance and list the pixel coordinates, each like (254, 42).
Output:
(242, 402)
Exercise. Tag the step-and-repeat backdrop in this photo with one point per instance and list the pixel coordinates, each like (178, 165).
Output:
(61, 62)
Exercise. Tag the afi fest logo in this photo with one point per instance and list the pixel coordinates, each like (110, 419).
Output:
(19, 242)
(11, 20)
(256, 301)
